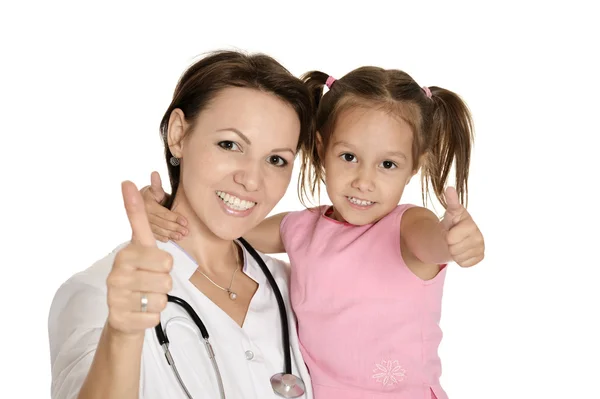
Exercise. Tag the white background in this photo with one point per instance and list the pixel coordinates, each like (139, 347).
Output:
(83, 87)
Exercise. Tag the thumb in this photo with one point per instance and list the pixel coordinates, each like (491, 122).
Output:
(452, 202)
(156, 187)
(141, 232)
(454, 209)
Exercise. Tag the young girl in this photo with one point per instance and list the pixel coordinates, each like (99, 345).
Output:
(367, 273)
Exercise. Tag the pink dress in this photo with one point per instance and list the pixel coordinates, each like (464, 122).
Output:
(368, 327)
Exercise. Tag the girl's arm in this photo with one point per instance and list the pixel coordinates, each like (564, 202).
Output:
(266, 236)
(166, 224)
(427, 242)
(423, 236)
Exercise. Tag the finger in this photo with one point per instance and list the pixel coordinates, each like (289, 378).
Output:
(153, 208)
(169, 215)
(455, 212)
(156, 187)
(471, 261)
(151, 282)
(166, 227)
(452, 202)
(156, 302)
(462, 255)
(136, 213)
(128, 301)
(161, 238)
(160, 232)
(461, 231)
(471, 252)
(460, 248)
(143, 258)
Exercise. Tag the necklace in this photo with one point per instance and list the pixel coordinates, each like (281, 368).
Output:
(232, 294)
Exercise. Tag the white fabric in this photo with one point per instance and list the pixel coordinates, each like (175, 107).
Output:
(247, 357)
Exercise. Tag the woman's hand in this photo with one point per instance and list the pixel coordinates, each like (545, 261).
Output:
(140, 273)
(165, 224)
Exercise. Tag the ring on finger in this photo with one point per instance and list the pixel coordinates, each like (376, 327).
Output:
(144, 303)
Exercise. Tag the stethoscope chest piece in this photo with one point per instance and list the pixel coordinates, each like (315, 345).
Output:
(287, 385)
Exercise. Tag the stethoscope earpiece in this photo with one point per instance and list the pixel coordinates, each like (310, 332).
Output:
(287, 385)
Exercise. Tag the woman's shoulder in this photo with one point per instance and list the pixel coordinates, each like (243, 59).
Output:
(279, 268)
(94, 276)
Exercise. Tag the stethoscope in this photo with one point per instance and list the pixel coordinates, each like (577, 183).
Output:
(285, 384)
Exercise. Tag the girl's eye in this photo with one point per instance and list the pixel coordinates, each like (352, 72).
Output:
(229, 145)
(348, 157)
(276, 160)
(388, 165)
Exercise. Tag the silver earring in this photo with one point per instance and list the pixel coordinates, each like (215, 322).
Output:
(174, 161)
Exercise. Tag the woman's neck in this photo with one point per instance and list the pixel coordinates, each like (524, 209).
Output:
(211, 253)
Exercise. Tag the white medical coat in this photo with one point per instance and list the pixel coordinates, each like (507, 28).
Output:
(247, 356)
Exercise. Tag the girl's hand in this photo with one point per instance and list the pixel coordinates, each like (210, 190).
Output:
(165, 224)
(465, 241)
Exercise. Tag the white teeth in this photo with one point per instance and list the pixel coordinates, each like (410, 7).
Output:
(359, 201)
(234, 202)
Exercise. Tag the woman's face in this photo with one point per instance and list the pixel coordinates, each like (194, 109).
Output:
(236, 159)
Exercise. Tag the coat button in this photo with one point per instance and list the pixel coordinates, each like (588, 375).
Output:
(249, 355)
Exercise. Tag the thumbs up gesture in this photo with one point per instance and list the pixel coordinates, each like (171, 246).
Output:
(465, 241)
(139, 280)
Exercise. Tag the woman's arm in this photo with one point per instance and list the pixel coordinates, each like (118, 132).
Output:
(115, 370)
(90, 359)
(138, 271)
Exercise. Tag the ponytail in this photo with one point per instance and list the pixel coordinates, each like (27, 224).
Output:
(311, 175)
(451, 140)
(315, 82)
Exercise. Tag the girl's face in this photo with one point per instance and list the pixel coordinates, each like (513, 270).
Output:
(368, 162)
(236, 159)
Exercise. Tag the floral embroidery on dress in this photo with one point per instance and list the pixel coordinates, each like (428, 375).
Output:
(389, 372)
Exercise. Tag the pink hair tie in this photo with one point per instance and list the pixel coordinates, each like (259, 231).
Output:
(329, 82)
(427, 91)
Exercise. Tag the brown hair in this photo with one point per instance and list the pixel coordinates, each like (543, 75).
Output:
(202, 81)
(442, 125)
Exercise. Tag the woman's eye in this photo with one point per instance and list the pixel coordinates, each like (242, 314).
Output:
(277, 161)
(229, 145)
(348, 157)
(388, 165)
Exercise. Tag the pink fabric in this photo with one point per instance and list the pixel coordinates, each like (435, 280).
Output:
(368, 327)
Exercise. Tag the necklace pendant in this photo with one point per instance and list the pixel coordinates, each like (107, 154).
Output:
(232, 295)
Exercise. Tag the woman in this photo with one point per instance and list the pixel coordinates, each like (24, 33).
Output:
(231, 133)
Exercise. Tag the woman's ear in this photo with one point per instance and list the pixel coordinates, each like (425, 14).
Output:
(176, 130)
